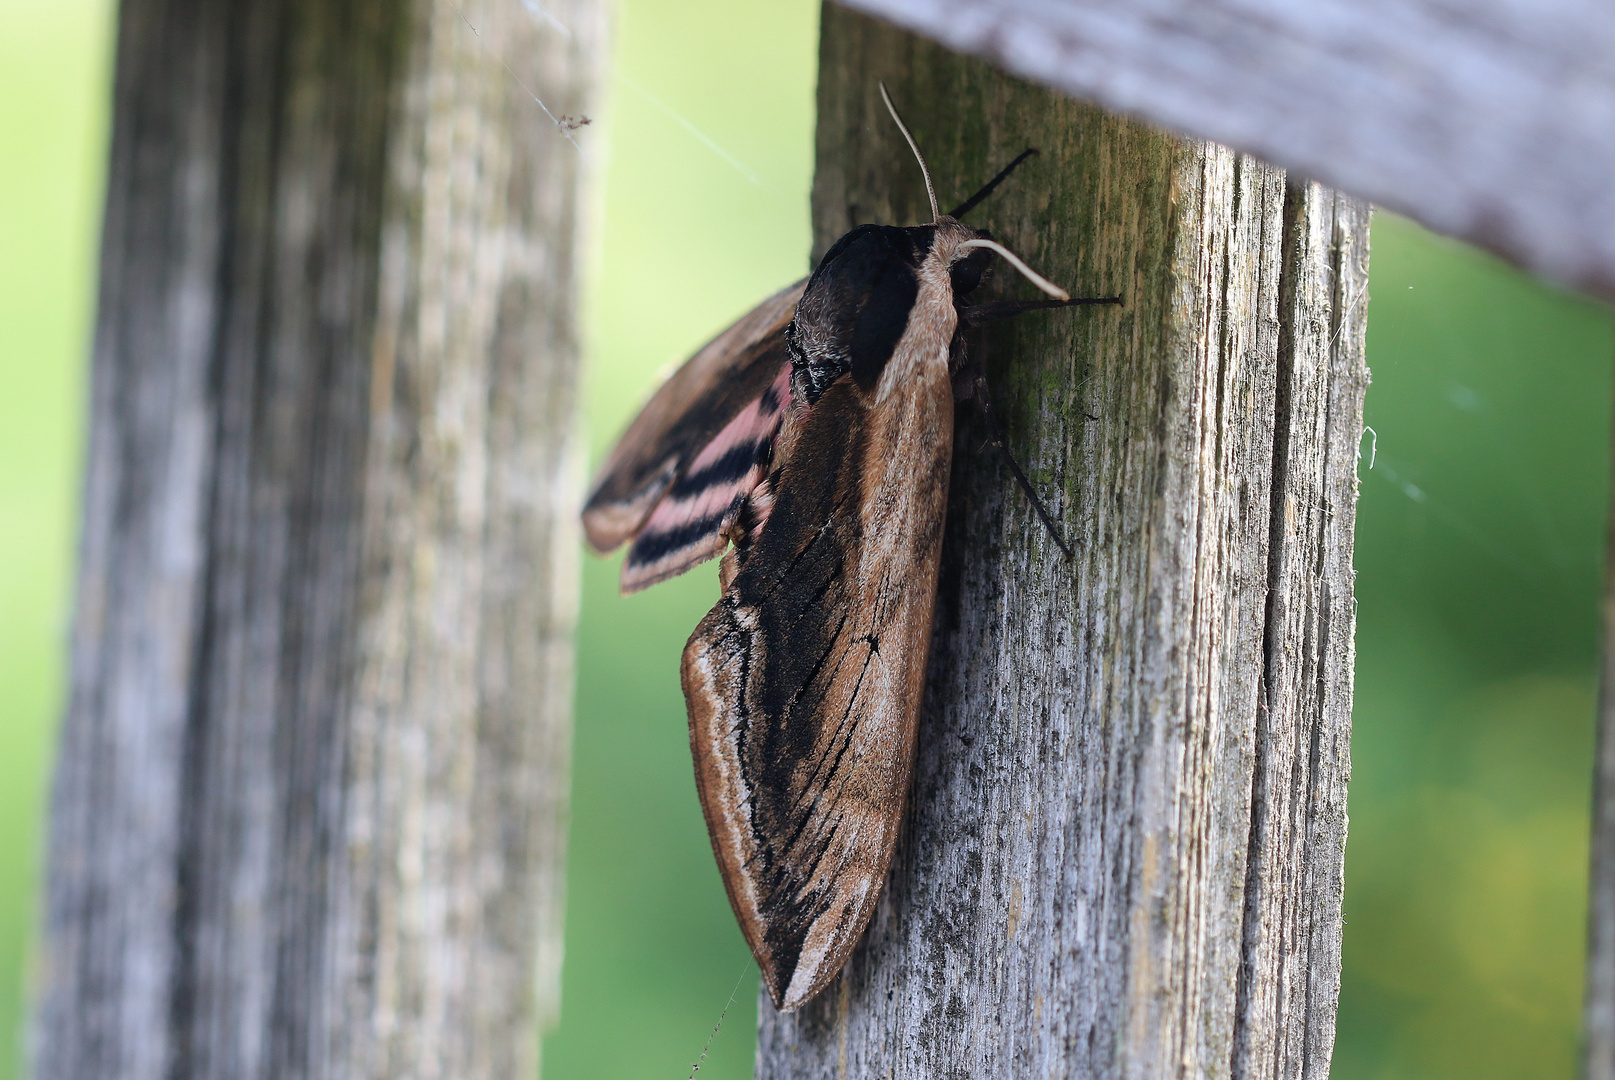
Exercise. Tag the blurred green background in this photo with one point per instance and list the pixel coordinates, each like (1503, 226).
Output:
(1479, 554)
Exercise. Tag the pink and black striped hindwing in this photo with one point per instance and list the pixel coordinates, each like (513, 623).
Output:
(686, 466)
(815, 437)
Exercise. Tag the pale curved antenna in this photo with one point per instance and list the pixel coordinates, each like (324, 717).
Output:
(930, 192)
(1015, 260)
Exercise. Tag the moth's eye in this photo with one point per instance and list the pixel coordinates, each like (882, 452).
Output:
(965, 275)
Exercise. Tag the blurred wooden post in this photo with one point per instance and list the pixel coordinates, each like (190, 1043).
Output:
(307, 819)
(1128, 822)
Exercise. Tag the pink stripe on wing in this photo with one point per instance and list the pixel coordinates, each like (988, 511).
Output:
(690, 524)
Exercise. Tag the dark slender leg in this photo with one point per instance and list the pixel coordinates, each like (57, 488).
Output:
(976, 381)
(987, 189)
(976, 314)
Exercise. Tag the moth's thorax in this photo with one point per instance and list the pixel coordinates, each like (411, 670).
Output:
(879, 290)
(933, 319)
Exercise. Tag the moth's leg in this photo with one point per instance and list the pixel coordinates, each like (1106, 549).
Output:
(990, 186)
(961, 372)
(970, 381)
(976, 314)
(973, 383)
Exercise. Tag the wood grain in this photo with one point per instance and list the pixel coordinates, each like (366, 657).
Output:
(1124, 846)
(307, 818)
(1491, 120)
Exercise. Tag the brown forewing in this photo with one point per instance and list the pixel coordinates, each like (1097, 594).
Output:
(708, 391)
(804, 682)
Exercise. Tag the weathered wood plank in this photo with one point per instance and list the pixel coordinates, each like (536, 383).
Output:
(1114, 749)
(1293, 883)
(1493, 121)
(307, 815)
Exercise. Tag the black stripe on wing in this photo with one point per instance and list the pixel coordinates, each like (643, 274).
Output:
(695, 519)
(735, 463)
(685, 415)
(650, 547)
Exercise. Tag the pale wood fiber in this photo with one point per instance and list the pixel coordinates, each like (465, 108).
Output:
(1598, 1038)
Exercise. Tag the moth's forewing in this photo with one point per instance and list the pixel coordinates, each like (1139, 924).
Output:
(685, 415)
(804, 682)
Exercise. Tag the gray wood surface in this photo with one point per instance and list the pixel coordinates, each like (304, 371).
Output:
(307, 818)
(1123, 856)
(1491, 120)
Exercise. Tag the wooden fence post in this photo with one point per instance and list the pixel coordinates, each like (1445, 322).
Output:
(1127, 827)
(307, 814)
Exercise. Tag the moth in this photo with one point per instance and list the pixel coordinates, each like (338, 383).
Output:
(813, 440)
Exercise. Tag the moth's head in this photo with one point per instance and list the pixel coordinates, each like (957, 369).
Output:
(964, 252)
(967, 268)
(866, 289)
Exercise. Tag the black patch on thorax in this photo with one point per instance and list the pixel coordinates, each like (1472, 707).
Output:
(856, 307)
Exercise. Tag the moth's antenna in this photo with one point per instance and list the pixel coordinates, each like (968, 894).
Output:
(1014, 260)
(930, 192)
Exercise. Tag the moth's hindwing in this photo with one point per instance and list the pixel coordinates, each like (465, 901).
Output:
(693, 520)
(690, 414)
(804, 682)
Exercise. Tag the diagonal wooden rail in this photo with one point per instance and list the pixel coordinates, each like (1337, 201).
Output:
(1492, 121)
